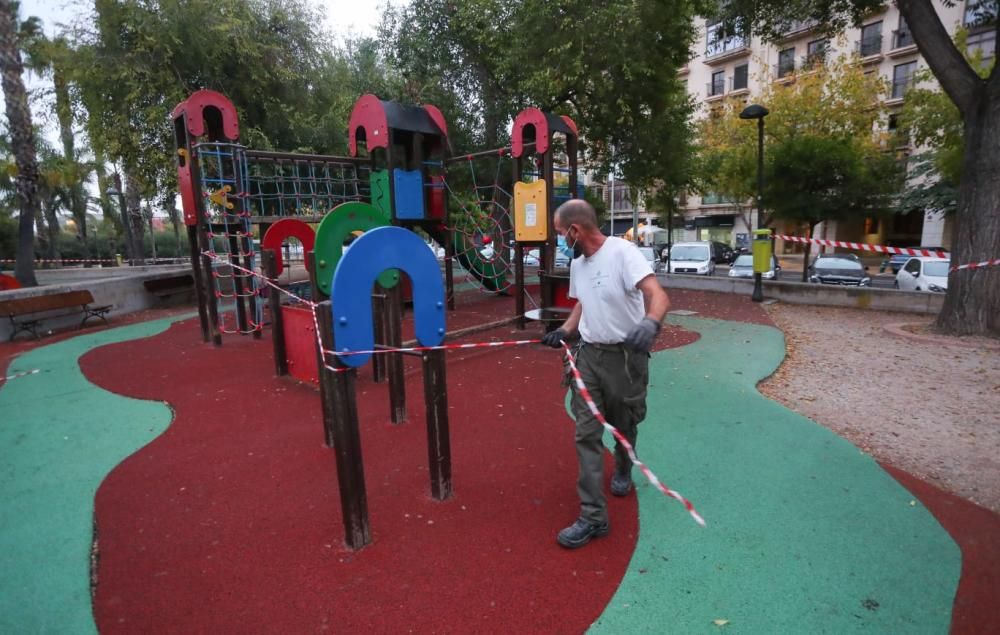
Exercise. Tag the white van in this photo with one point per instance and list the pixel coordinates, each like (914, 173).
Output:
(693, 258)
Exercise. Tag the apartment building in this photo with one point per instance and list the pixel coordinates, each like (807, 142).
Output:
(734, 67)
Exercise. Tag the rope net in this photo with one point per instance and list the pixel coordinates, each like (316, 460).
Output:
(223, 175)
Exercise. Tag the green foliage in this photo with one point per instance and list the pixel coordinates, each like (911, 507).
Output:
(814, 178)
(611, 66)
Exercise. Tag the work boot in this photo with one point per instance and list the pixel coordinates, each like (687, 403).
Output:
(621, 484)
(579, 533)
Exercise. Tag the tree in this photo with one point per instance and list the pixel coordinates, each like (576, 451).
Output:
(22, 138)
(829, 107)
(611, 66)
(814, 178)
(972, 302)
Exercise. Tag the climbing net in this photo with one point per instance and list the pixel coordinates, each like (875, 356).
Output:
(224, 187)
(480, 219)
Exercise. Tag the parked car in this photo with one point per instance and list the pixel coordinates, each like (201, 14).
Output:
(722, 253)
(896, 261)
(921, 273)
(839, 269)
(650, 254)
(695, 257)
(742, 267)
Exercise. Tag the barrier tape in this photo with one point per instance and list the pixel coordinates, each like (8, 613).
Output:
(17, 375)
(977, 265)
(884, 249)
(46, 261)
(442, 347)
(578, 379)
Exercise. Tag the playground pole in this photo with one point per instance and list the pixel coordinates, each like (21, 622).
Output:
(394, 338)
(270, 267)
(438, 439)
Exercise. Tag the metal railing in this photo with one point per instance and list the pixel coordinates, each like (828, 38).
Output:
(716, 87)
(724, 46)
(784, 69)
(900, 86)
(901, 39)
(871, 45)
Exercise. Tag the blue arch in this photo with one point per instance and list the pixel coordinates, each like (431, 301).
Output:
(350, 299)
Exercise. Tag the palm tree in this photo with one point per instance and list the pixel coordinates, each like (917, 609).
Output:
(22, 138)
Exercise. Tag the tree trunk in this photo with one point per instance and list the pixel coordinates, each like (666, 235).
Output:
(22, 141)
(134, 214)
(808, 252)
(972, 303)
(78, 197)
(52, 227)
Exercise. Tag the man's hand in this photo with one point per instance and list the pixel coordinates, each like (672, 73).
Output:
(555, 338)
(640, 338)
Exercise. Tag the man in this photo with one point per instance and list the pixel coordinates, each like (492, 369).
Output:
(618, 314)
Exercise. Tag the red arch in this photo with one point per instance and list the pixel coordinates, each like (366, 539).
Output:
(284, 229)
(193, 109)
(369, 115)
(533, 117)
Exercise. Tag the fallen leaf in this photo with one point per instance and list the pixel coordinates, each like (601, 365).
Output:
(720, 622)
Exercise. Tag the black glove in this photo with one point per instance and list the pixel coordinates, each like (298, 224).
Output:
(640, 338)
(555, 338)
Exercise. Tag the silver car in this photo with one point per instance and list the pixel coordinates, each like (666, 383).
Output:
(742, 267)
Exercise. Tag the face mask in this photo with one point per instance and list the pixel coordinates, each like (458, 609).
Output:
(577, 249)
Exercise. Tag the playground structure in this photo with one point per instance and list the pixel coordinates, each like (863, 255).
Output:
(393, 183)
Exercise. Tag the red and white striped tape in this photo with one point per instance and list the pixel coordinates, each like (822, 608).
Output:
(578, 379)
(977, 265)
(17, 375)
(442, 347)
(885, 249)
(64, 260)
(882, 249)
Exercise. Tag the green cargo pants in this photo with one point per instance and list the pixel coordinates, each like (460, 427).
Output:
(616, 379)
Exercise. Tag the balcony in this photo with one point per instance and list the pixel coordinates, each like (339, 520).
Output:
(869, 49)
(812, 62)
(715, 89)
(784, 71)
(738, 86)
(798, 28)
(899, 88)
(902, 44)
(726, 49)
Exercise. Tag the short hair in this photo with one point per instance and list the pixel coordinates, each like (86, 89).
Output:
(577, 211)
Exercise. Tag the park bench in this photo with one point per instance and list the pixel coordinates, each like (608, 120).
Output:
(163, 288)
(27, 314)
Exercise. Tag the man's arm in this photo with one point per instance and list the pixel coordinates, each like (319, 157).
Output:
(655, 298)
(572, 323)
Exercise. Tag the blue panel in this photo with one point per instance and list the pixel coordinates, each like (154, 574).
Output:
(351, 297)
(408, 187)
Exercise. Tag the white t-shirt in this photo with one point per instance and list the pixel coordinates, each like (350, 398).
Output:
(605, 285)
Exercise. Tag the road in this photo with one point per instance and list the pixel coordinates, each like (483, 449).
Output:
(879, 281)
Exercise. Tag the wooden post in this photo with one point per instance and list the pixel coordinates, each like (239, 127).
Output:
(199, 281)
(438, 441)
(449, 271)
(210, 286)
(270, 266)
(324, 341)
(519, 284)
(394, 361)
(379, 317)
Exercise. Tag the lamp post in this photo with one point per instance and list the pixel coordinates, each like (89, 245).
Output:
(116, 190)
(758, 112)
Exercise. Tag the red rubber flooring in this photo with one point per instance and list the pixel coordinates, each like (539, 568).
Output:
(230, 520)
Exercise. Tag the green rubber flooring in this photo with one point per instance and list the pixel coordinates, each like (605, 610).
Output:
(806, 534)
(59, 437)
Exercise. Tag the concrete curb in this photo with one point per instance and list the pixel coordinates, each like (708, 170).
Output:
(940, 340)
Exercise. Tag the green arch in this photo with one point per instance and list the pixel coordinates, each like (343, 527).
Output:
(334, 229)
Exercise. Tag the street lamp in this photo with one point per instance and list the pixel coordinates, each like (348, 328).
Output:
(116, 190)
(758, 112)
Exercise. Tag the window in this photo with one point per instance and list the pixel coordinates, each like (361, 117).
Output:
(816, 52)
(718, 84)
(901, 37)
(871, 225)
(786, 62)
(913, 266)
(980, 12)
(902, 79)
(983, 43)
(871, 39)
(740, 75)
(716, 43)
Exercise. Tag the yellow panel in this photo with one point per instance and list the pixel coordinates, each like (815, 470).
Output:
(531, 212)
